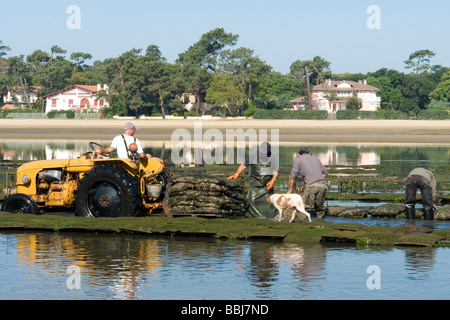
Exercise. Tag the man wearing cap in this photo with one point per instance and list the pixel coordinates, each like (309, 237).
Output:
(264, 170)
(313, 173)
(122, 143)
(423, 179)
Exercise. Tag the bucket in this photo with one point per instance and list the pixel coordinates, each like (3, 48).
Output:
(154, 190)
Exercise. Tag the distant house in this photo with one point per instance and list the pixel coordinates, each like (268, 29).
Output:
(333, 96)
(189, 102)
(299, 103)
(76, 98)
(17, 94)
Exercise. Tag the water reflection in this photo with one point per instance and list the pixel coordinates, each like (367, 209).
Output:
(330, 155)
(34, 266)
(334, 156)
(134, 267)
(389, 162)
(419, 262)
(29, 150)
(110, 261)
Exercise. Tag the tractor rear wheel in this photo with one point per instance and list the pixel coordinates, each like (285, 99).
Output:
(107, 191)
(20, 203)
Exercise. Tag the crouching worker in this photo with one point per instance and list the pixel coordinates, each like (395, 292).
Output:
(264, 171)
(423, 179)
(313, 173)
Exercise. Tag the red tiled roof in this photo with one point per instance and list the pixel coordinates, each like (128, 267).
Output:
(10, 107)
(92, 89)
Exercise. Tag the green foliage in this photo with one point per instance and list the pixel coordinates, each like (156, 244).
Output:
(250, 111)
(224, 91)
(5, 112)
(391, 114)
(354, 103)
(118, 105)
(433, 114)
(317, 68)
(410, 106)
(442, 90)
(290, 114)
(391, 97)
(419, 60)
(143, 82)
(347, 114)
(68, 114)
(439, 105)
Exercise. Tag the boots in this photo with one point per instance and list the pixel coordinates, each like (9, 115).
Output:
(428, 213)
(410, 212)
(427, 201)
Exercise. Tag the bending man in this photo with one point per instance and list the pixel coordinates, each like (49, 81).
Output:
(423, 179)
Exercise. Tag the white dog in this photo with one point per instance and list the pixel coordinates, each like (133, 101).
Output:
(286, 201)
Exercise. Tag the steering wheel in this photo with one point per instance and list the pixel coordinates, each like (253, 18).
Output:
(95, 145)
(92, 154)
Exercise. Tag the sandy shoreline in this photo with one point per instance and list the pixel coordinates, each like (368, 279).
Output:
(290, 131)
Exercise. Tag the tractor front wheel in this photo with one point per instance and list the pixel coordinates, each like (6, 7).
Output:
(107, 191)
(20, 203)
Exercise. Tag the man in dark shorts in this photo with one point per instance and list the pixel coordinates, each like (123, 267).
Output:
(313, 173)
(423, 179)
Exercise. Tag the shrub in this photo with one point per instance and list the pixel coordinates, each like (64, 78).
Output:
(70, 114)
(290, 114)
(379, 114)
(433, 114)
(347, 114)
(52, 114)
(250, 111)
(392, 114)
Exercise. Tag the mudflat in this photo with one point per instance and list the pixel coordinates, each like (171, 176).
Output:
(289, 131)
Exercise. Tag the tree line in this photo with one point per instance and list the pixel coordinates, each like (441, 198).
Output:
(216, 71)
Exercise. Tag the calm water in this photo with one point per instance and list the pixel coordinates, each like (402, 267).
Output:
(96, 266)
(368, 160)
(40, 266)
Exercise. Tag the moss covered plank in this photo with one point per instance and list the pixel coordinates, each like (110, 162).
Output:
(245, 228)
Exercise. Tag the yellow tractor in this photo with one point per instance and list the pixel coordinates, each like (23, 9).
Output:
(91, 185)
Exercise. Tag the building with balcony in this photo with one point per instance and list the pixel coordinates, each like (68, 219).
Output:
(333, 96)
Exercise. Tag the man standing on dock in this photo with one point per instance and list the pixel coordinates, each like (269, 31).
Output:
(423, 179)
(313, 173)
(263, 174)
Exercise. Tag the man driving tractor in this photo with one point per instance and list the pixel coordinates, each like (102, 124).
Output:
(122, 143)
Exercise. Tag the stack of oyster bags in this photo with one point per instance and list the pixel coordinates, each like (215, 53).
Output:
(207, 196)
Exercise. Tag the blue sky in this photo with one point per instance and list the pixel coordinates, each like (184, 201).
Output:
(280, 32)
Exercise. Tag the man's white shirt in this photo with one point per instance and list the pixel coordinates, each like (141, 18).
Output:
(119, 145)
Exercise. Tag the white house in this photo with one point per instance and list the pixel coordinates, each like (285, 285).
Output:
(76, 98)
(333, 96)
(17, 92)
